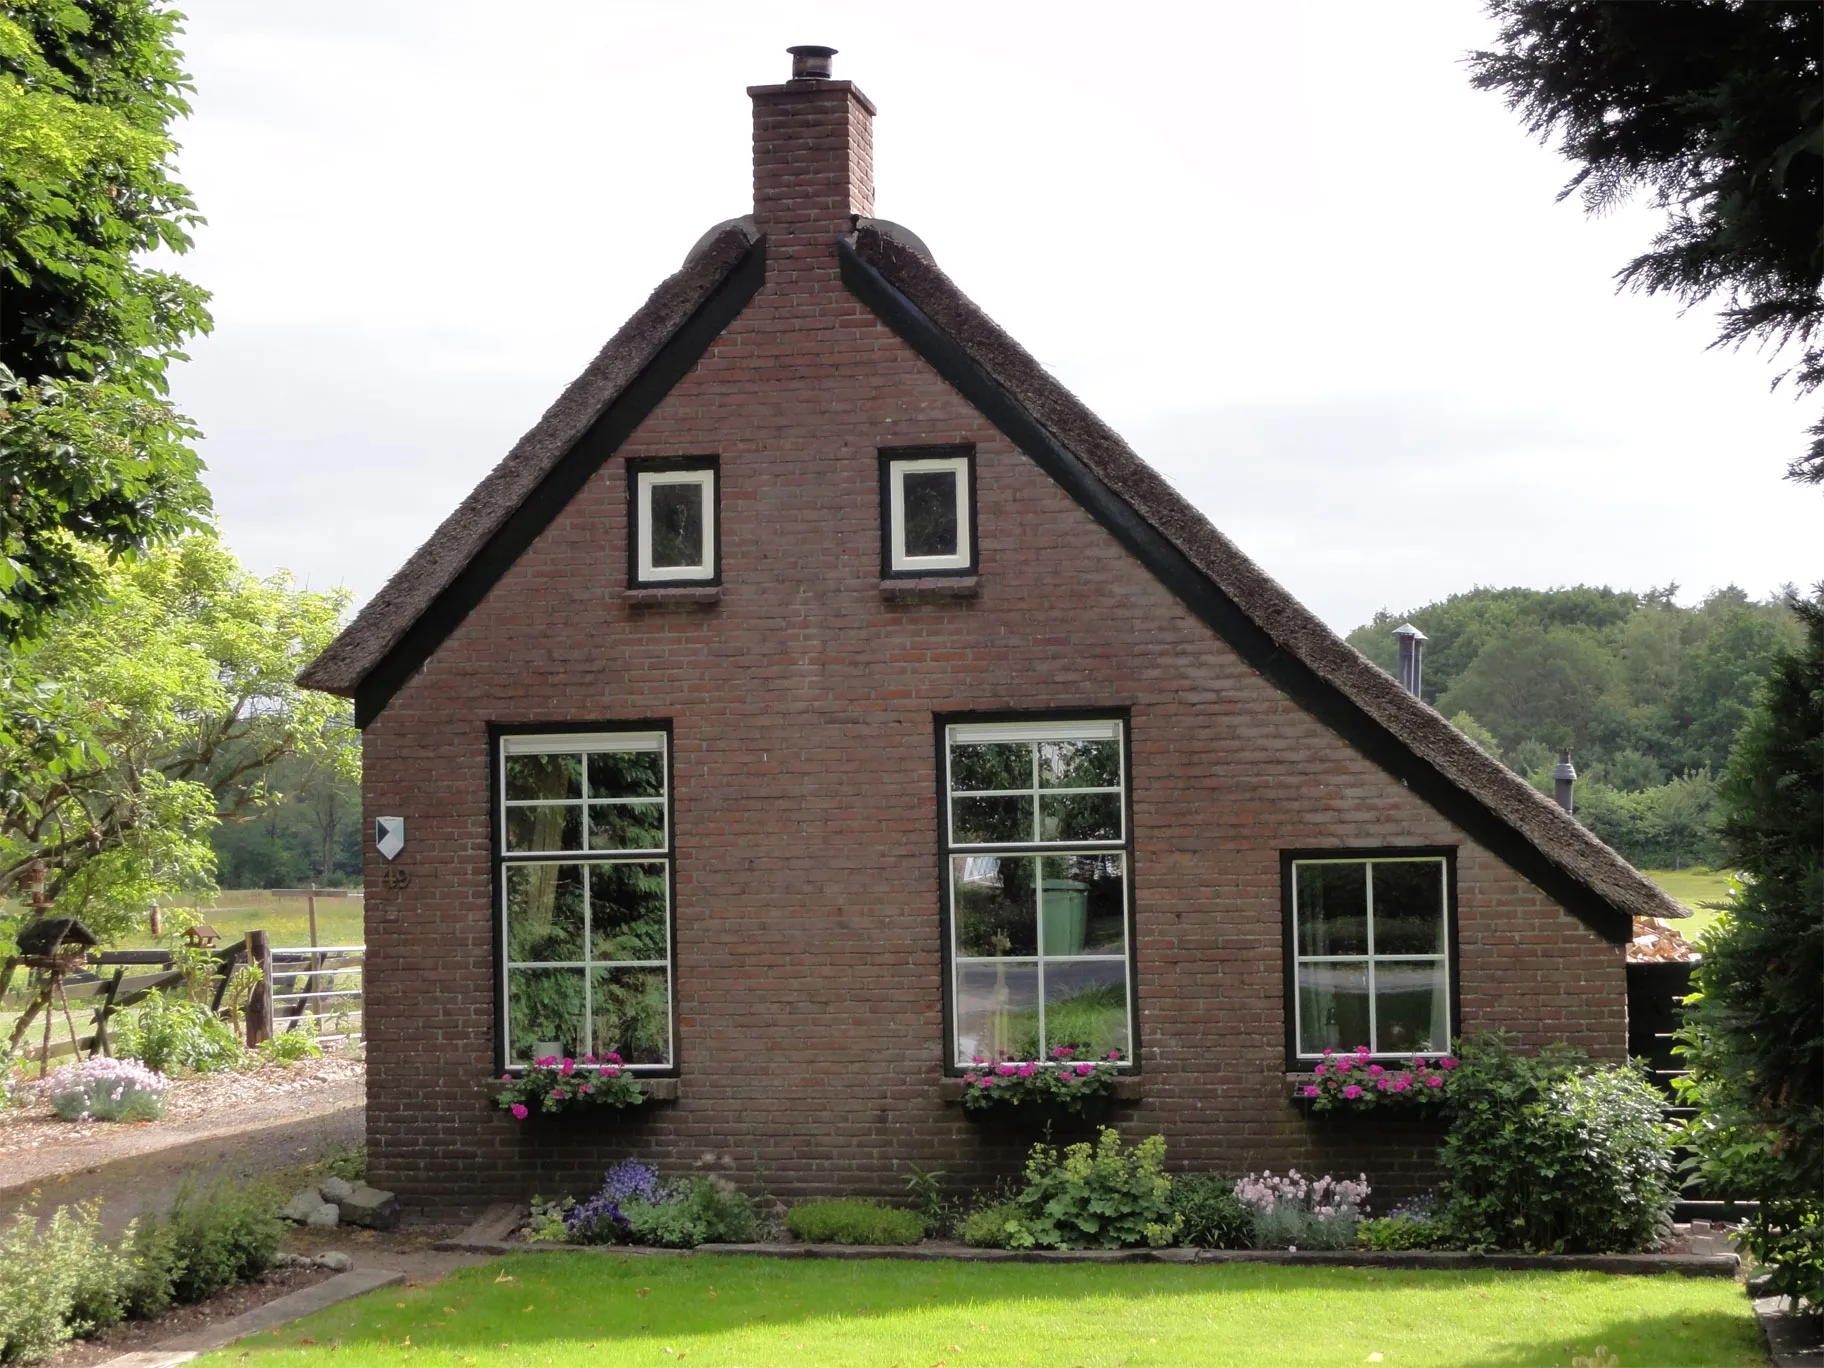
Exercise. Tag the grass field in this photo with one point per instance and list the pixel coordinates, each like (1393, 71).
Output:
(1694, 887)
(286, 920)
(720, 1312)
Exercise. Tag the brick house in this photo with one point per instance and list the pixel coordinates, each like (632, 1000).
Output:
(820, 696)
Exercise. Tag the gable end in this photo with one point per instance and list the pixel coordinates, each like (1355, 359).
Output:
(1200, 593)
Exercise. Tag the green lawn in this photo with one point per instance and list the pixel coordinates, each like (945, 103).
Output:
(1694, 887)
(719, 1312)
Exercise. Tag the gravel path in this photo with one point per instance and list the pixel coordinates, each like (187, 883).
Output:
(235, 1125)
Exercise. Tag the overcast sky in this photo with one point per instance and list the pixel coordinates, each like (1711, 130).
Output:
(1312, 276)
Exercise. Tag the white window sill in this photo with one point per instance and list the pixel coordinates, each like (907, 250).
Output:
(672, 595)
(930, 588)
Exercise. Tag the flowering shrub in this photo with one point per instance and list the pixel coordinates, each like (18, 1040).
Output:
(1091, 1197)
(174, 1033)
(1295, 1212)
(1550, 1152)
(103, 1089)
(1409, 1226)
(1356, 1080)
(556, 1085)
(1064, 1083)
(634, 1207)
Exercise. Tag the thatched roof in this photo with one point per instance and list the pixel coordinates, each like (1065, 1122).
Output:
(893, 272)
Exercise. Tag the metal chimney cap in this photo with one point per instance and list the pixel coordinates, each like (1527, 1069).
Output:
(1565, 769)
(1406, 629)
(811, 63)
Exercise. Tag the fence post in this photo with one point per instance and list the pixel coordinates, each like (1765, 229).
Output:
(259, 1002)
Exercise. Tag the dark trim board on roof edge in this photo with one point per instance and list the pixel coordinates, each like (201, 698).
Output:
(587, 456)
(1206, 599)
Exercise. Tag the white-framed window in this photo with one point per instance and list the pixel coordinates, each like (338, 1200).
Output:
(1371, 953)
(928, 511)
(1036, 857)
(585, 873)
(674, 522)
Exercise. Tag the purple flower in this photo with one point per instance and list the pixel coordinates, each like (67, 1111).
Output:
(1434, 1082)
(1447, 1063)
(519, 1110)
(1310, 1090)
(1352, 1092)
(1085, 1070)
(1322, 1068)
(1376, 1069)
(567, 1068)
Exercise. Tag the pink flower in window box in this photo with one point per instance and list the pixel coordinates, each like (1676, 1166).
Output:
(1352, 1092)
(519, 1111)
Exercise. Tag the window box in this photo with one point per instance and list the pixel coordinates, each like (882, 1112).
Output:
(927, 512)
(672, 515)
(1036, 851)
(1370, 948)
(1358, 1082)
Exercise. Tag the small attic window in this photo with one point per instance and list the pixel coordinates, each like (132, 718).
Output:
(672, 508)
(927, 511)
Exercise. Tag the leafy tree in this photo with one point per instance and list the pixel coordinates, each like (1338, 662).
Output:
(168, 706)
(1538, 683)
(91, 454)
(1478, 733)
(1716, 109)
(1754, 1031)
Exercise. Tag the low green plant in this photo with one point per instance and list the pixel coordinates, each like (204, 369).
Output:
(290, 1047)
(56, 1282)
(990, 1227)
(171, 1033)
(925, 1191)
(149, 1267)
(1547, 1152)
(854, 1221)
(1096, 1196)
(693, 1211)
(224, 1234)
(546, 1224)
(347, 1162)
(1214, 1217)
(1401, 1231)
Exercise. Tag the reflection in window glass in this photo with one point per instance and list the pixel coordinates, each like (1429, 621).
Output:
(932, 524)
(1039, 930)
(587, 937)
(677, 525)
(1372, 962)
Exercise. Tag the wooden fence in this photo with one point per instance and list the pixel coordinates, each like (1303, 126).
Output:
(319, 986)
(302, 988)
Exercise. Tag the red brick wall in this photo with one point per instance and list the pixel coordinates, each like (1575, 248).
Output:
(809, 960)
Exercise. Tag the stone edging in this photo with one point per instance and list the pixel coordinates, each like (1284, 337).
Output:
(306, 1301)
(1792, 1341)
(489, 1236)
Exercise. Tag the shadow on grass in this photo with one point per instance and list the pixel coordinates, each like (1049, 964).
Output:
(878, 1310)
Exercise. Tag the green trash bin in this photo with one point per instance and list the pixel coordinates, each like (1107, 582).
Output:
(1066, 914)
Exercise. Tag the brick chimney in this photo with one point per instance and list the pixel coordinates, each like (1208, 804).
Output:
(813, 153)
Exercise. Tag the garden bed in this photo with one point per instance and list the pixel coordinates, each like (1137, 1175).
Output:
(133, 1336)
(486, 1237)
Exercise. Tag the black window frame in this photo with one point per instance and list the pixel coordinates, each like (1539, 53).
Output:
(941, 724)
(889, 456)
(660, 465)
(498, 732)
(1297, 1063)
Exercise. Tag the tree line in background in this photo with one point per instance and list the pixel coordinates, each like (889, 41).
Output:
(1648, 695)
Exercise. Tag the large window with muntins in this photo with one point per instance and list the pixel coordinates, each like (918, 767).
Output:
(585, 889)
(1036, 858)
(1371, 953)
